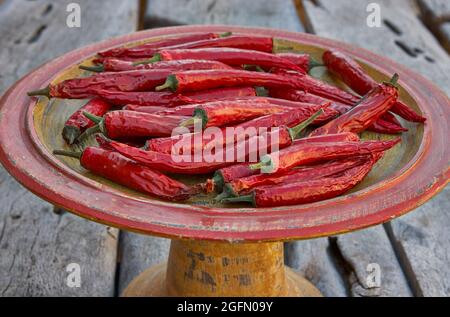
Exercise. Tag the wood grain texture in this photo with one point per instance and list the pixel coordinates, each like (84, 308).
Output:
(408, 42)
(280, 14)
(36, 244)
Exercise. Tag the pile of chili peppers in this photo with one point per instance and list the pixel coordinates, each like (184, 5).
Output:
(307, 131)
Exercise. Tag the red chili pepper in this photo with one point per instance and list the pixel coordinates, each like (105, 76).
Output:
(172, 100)
(149, 48)
(377, 102)
(308, 191)
(148, 109)
(230, 173)
(131, 124)
(135, 80)
(386, 124)
(118, 65)
(119, 169)
(200, 142)
(78, 123)
(222, 113)
(208, 79)
(244, 185)
(301, 154)
(354, 76)
(229, 56)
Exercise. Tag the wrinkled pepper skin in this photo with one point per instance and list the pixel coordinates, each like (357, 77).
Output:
(148, 49)
(307, 173)
(308, 153)
(230, 56)
(117, 65)
(124, 124)
(78, 123)
(119, 169)
(354, 76)
(301, 60)
(312, 190)
(230, 173)
(377, 102)
(168, 99)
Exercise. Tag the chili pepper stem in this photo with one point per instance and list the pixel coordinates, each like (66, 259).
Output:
(97, 69)
(393, 81)
(218, 180)
(189, 122)
(240, 199)
(41, 92)
(261, 92)
(171, 83)
(295, 131)
(92, 117)
(155, 58)
(92, 130)
(70, 133)
(225, 34)
(266, 165)
(68, 153)
(227, 193)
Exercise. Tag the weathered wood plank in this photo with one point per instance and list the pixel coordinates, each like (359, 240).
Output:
(36, 245)
(279, 14)
(403, 37)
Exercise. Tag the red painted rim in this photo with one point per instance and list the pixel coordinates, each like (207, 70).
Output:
(31, 164)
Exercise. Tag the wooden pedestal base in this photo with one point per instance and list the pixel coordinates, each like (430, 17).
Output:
(202, 268)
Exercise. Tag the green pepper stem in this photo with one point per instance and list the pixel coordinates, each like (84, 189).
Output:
(261, 92)
(70, 133)
(189, 122)
(295, 131)
(257, 166)
(240, 199)
(225, 34)
(97, 69)
(394, 79)
(41, 92)
(92, 130)
(68, 153)
(218, 180)
(93, 118)
(155, 58)
(170, 83)
(225, 194)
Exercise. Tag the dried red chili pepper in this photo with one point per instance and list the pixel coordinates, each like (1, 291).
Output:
(304, 61)
(172, 99)
(377, 102)
(208, 79)
(119, 169)
(149, 48)
(135, 80)
(386, 124)
(229, 56)
(354, 76)
(131, 124)
(230, 173)
(78, 123)
(117, 65)
(307, 191)
(199, 142)
(148, 109)
(301, 154)
(244, 185)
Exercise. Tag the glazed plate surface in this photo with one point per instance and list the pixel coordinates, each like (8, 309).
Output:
(407, 176)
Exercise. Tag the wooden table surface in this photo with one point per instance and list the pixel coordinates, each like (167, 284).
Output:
(38, 243)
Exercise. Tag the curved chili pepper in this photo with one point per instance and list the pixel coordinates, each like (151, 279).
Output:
(131, 124)
(78, 123)
(244, 185)
(149, 48)
(172, 100)
(289, 118)
(301, 154)
(378, 101)
(118, 65)
(230, 173)
(229, 56)
(208, 79)
(121, 170)
(135, 80)
(307, 191)
(386, 124)
(354, 76)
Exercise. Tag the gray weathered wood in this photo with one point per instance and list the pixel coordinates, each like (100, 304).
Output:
(435, 11)
(36, 245)
(279, 14)
(137, 253)
(425, 56)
